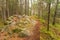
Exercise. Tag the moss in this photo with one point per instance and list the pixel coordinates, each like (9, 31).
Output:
(16, 30)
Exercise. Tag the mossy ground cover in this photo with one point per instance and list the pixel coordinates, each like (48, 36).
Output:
(52, 34)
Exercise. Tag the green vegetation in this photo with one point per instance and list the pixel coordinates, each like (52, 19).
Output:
(53, 33)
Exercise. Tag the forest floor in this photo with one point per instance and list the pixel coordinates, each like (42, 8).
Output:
(52, 34)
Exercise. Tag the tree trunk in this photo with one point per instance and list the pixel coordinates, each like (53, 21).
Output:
(48, 15)
(3, 11)
(21, 7)
(26, 7)
(54, 19)
(7, 9)
(38, 8)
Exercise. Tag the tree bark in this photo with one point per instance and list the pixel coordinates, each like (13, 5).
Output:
(38, 8)
(21, 7)
(54, 19)
(49, 3)
(26, 7)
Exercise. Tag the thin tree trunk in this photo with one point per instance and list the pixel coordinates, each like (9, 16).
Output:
(38, 8)
(48, 15)
(54, 19)
(7, 11)
(31, 8)
(21, 7)
(26, 7)
(3, 11)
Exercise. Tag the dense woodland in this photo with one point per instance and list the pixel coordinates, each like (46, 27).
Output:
(46, 11)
